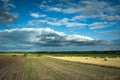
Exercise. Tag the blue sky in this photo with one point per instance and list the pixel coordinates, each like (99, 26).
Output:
(59, 25)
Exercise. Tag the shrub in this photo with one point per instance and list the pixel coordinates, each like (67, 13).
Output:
(95, 57)
(86, 58)
(14, 55)
(25, 55)
(39, 55)
(105, 58)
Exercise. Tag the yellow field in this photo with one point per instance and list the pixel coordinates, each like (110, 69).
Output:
(109, 62)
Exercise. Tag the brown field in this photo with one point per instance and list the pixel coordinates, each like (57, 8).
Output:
(11, 67)
(47, 68)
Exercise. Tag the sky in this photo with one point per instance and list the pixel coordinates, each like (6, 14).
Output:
(59, 25)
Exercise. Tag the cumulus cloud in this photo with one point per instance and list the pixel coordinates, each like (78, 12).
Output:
(41, 36)
(7, 17)
(44, 37)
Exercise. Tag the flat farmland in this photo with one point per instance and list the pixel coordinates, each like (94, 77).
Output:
(105, 62)
(47, 68)
(11, 67)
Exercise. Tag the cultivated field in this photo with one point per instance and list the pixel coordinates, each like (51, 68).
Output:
(11, 67)
(47, 68)
(105, 62)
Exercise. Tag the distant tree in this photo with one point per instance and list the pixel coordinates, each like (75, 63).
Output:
(14, 55)
(25, 55)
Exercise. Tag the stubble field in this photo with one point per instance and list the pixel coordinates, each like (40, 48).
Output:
(47, 68)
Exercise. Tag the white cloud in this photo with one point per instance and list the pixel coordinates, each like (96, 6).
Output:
(78, 38)
(75, 24)
(61, 22)
(64, 20)
(98, 25)
(111, 17)
(68, 23)
(40, 22)
(85, 9)
(81, 12)
(54, 9)
(79, 17)
(7, 17)
(29, 38)
(37, 15)
(77, 7)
